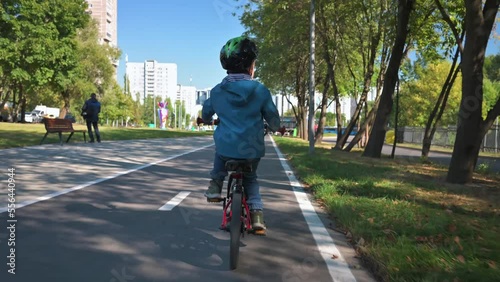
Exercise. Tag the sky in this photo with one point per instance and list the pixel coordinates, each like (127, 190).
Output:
(189, 33)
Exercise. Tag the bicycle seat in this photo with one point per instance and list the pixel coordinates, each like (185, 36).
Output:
(234, 165)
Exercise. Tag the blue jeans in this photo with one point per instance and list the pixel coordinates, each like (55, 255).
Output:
(250, 183)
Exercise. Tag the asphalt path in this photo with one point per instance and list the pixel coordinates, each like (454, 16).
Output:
(436, 157)
(93, 212)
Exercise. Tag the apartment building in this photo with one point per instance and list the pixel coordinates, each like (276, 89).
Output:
(187, 94)
(152, 78)
(105, 12)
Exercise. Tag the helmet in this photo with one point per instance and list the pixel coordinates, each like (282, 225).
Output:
(238, 54)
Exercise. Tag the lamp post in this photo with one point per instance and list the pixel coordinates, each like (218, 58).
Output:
(311, 79)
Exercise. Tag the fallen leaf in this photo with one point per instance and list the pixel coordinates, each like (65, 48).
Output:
(361, 242)
(457, 240)
(492, 264)
(461, 258)
(371, 220)
(387, 231)
(452, 228)
(408, 258)
(335, 257)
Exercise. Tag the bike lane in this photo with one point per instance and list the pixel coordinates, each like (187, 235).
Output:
(113, 230)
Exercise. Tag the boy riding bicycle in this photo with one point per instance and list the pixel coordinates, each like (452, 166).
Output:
(241, 104)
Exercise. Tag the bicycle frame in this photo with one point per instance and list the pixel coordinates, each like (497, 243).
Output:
(235, 185)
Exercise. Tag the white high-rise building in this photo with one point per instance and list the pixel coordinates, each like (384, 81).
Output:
(187, 94)
(152, 78)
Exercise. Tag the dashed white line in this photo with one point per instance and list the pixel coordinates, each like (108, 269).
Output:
(174, 202)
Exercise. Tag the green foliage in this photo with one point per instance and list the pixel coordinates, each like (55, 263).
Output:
(419, 95)
(492, 67)
(491, 94)
(330, 118)
(50, 50)
(277, 35)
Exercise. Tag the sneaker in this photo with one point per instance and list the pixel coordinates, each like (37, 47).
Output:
(214, 190)
(257, 220)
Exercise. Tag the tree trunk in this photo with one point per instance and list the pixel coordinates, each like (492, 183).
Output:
(338, 109)
(22, 102)
(364, 129)
(374, 43)
(440, 106)
(479, 21)
(67, 104)
(376, 142)
(324, 104)
(4, 100)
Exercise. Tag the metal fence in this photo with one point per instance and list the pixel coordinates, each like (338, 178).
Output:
(446, 137)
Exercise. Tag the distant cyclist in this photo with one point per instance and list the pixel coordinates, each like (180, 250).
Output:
(241, 104)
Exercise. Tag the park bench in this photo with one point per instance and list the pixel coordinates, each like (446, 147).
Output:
(59, 126)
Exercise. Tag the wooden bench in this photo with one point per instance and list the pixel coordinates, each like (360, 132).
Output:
(59, 126)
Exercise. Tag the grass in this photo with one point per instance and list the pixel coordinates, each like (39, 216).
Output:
(20, 135)
(404, 220)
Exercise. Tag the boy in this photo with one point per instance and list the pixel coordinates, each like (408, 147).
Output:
(240, 103)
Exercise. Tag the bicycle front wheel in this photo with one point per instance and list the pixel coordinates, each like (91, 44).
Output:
(235, 230)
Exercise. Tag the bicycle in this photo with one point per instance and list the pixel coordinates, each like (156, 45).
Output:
(235, 209)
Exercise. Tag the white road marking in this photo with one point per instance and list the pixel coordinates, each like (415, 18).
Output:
(81, 186)
(338, 268)
(174, 202)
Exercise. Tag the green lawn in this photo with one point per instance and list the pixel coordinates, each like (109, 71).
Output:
(403, 219)
(20, 135)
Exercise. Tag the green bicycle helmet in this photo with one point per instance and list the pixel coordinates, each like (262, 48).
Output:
(237, 55)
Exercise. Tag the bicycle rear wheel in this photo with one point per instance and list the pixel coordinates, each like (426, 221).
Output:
(235, 230)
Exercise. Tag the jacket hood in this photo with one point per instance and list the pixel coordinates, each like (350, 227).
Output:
(240, 91)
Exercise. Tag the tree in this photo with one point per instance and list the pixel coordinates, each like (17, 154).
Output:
(277, 35)
(370, 27)
(377, 136)
(86, 68)
(479, 20)
(420, 93)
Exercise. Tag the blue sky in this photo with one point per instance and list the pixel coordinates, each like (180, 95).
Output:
(189, 33)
